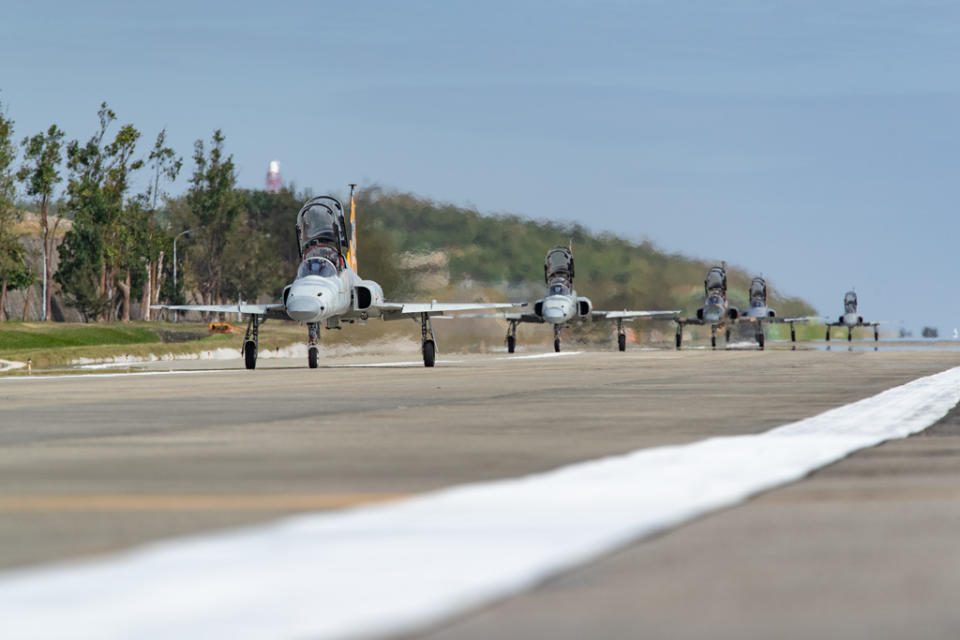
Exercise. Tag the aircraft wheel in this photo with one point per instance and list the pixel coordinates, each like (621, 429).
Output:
(727, 336)
(622, 342)
(793, 335)
(679, 339)
(429, 353)
(511, 344)
(713, 342)
(850, 335)
(250, 354)
(760, 340)
(828, 335)
(556, 345)
(313, 357)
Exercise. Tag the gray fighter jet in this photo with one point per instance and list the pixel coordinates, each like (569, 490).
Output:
(716, 313)
(328, 289)
(851, 319)
(562, 306)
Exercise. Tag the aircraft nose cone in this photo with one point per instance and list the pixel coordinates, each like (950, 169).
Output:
(304, 308)
(553, 314)
(711, 313)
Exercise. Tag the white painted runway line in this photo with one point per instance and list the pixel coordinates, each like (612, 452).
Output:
(402, 566)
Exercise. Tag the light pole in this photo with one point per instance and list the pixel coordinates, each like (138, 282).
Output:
(176, 313)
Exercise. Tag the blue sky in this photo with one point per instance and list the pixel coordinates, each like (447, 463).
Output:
(816, 142)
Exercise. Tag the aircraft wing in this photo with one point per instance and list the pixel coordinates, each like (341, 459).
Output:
(396, 310)
(797, 319)
(269, 310)
(630, 315)
(505, 315)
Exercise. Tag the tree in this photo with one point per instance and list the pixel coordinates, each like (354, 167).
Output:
(165, 166)
(213, 207)
(40, 175)
(100, 251)
(14, 272)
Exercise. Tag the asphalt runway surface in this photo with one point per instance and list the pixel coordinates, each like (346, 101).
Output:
(867, 547)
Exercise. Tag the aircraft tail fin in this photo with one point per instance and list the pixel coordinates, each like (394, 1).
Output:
(352, 252)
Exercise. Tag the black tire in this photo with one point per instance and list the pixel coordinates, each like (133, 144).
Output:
(511, 344)
(429, 353)
(760, 338)
(556, 345)
(622, 342)
(726, 336)
(313, 357)
(876, 335)
(679, 340)
(793, 335)
(849, 335)
(250, 354)
(828, 335)
(713, 342)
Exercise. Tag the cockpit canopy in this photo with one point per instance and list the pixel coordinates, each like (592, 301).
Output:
(321, 221)
(716, 279)
(558, 288)
(758, 289)
(558, 264)
(317, 267)
(850, 302)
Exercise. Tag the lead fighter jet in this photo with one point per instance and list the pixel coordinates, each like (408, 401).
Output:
(562, 305)
(327, 288)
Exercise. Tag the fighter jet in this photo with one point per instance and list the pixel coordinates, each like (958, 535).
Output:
(851, 320)
(562, 306)
(719, 315)
(328, 289)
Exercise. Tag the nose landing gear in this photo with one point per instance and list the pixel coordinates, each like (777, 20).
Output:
(556, 338)
(313, 353)
(621, 336)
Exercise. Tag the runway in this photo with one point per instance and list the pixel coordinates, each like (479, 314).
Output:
(92, 465)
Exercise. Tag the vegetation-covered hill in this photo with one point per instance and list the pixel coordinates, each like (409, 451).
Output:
(507, 251)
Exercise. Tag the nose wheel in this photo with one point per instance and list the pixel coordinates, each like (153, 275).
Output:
(428, 341)
(621, 336)
(713, 337)
(679, 335)
(760, 338)
(556, 338)
(313, 353)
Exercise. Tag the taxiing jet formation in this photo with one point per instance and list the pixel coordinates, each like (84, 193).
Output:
(716, 312)
(328, 289)
(561, 305)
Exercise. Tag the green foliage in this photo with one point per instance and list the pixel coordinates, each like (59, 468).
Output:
(42, 156)
(213, 208)
(47, 336)
(14, 271)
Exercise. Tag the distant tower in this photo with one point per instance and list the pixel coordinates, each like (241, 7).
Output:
(274, 181)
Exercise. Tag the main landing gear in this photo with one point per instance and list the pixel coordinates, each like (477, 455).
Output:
(313, 353)
(556, 338)
(621, 336)
(428, 339)
(512, 336)
(251, 342)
